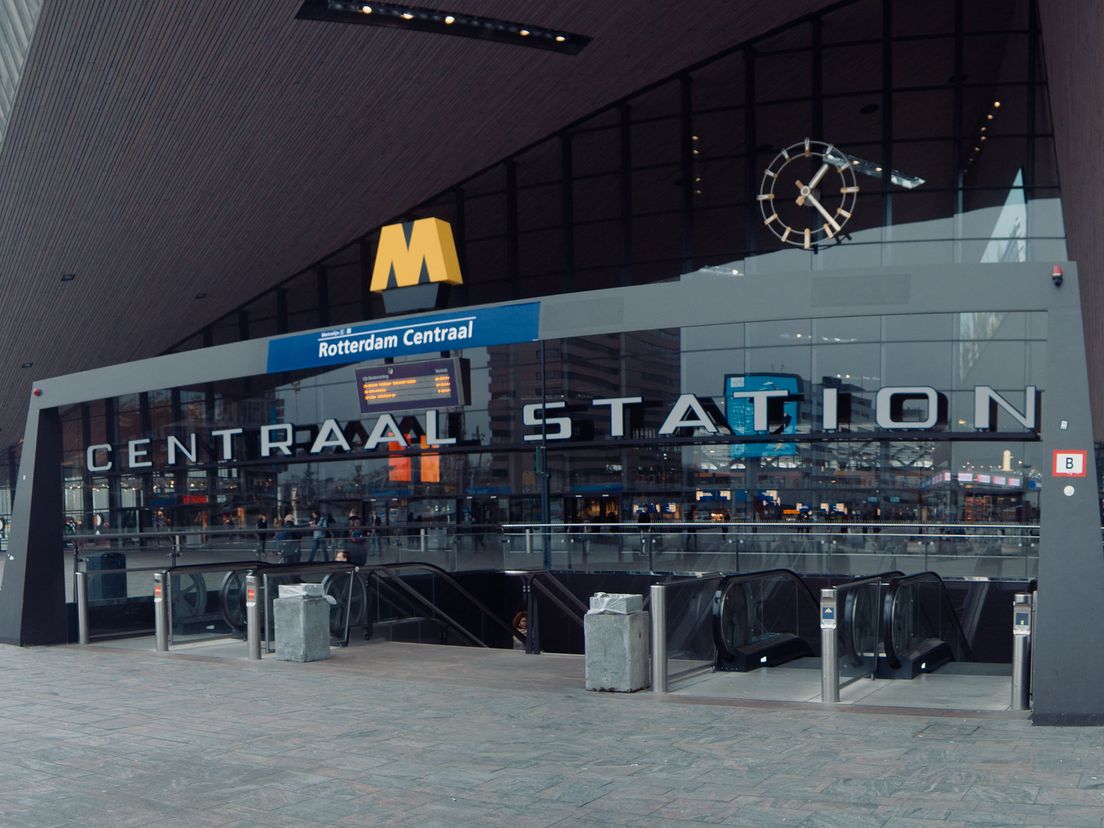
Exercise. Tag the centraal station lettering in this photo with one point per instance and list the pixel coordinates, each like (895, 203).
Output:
(689, 412)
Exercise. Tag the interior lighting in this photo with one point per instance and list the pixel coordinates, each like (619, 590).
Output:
(984, 138)
(423, 19)
(989, 117)
(996, 104)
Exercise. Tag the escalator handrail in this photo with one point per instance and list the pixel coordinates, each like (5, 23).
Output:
(846, 631)
(889, 612)
(748, 577)
(421, 599)
(447, 578)
(565, 593)
(869, 579)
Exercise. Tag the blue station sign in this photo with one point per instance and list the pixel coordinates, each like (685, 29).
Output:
(418, 335)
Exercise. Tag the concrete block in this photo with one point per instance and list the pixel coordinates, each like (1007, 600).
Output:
(302, 627)
(293, 590)
(616, 651)
(616, 602)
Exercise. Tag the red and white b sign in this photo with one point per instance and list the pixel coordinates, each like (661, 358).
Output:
(1069, 463)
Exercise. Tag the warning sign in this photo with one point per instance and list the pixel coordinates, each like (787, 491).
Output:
(1069, 463)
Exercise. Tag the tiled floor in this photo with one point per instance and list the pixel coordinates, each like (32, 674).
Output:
(420, 735)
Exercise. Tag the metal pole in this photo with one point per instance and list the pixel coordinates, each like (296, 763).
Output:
(1021, 650)
(160, 612)
(829, 655)
(81, 595)
(252, 618)
(659, 638)
(424, 541)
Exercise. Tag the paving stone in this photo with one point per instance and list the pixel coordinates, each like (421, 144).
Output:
(420, 735)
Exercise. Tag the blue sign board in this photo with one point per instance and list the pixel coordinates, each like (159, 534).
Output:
(416, 335)
(740, 412)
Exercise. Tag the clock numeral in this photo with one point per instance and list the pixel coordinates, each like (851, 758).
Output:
(765, 197)
(841, 212)
(808, 238)
(771, 217)
(849, 189)
(771, 173)
(786, 235)
(829, 232)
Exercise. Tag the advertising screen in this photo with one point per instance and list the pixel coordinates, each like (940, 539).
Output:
(740, 412)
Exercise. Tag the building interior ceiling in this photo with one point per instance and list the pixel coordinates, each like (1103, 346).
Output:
(161, 152)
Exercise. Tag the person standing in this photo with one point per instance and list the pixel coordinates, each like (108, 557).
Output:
(262, 531)
(318, 525)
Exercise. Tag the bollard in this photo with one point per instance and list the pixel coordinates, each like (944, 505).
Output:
(829, 655)
(160, 612)
(1021, 650)
(528, 541)
(80, 593)
(659, 638)
(424, 541)
(252, 618)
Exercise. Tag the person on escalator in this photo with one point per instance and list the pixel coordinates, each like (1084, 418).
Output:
(521, 626)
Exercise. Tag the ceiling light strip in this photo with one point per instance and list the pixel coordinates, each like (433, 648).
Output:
(416, 18)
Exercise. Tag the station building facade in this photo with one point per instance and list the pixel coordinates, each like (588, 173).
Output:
(819, 277)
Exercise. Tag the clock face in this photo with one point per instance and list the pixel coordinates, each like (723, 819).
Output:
(808, 193)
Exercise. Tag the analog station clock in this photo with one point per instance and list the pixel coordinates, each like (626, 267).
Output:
(808, 193)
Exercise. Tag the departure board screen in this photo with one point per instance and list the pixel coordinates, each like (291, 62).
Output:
(407, 386)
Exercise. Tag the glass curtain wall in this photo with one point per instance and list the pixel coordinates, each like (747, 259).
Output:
(377, 491)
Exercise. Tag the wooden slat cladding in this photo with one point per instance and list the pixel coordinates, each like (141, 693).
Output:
(162, 149)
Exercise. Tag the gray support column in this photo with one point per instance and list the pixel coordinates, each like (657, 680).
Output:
(1067, 647)
(33, 607)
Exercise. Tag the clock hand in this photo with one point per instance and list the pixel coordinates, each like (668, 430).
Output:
(827, 216)
(819, 175)
(807, 189)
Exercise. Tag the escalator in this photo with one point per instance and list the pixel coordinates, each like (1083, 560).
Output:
(890, 625)
(920, 628)
(764, 619)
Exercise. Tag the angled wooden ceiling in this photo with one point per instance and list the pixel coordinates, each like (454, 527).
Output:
(160, 150)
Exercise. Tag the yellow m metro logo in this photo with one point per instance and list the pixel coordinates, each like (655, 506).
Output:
(414, 253)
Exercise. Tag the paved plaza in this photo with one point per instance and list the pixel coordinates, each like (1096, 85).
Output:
(419, 735)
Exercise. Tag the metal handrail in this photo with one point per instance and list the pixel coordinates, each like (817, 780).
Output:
(890, 611)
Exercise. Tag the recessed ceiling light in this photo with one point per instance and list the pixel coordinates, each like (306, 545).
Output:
(524, 33)
(996, 104)
(450, 19)
(989, 117)
(365, 9)
(201, 296)
(406, 16)
(68, 277)
(26, 365)
(560, 38)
